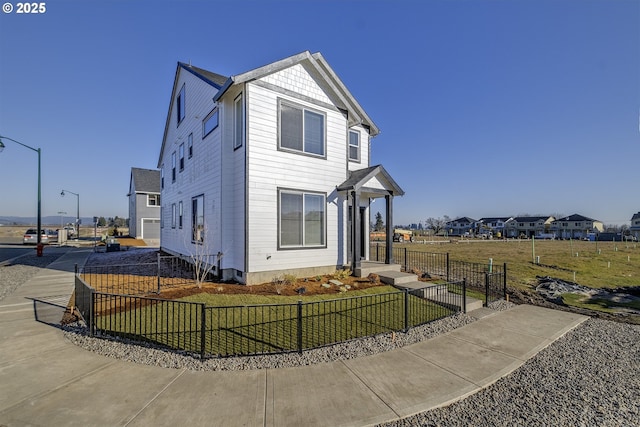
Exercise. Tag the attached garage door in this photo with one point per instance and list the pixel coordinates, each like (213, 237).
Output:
(150, 229)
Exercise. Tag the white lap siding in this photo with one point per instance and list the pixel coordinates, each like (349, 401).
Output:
(201, 174)
(271, 170)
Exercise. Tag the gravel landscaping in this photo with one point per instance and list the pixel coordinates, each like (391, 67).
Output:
(589, 377)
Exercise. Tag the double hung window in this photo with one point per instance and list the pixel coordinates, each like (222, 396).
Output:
(354, 146)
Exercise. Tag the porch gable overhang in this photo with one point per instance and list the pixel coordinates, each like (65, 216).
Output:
(374, 180)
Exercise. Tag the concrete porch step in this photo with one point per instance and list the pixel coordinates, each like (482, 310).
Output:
(396, 277)
(368, 267)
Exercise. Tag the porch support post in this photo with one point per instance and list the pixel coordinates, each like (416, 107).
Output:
(355, 231)
(388, 258)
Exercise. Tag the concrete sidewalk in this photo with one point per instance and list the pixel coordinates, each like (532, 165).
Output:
(47, 381)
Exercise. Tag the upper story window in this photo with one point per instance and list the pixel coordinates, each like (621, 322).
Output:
(354, 146)
(153, 200)
(301, 129)
(190, 145)
(238, 122)
(180, 104)
(162, 176)
(173, 167)
(210, 123)
(181, 153)
(180, 212)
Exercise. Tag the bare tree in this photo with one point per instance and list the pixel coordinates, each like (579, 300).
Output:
(437, 224)
(200, 256)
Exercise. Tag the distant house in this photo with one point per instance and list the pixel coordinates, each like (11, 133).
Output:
(634, 229)
(576, 227)
(496, 225)
(144, 204)
(460, 226)
(528, 226)
(269, 171)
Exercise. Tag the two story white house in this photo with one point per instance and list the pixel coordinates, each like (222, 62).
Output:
(269, 171)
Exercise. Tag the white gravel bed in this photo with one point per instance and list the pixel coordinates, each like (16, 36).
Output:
(589, 377)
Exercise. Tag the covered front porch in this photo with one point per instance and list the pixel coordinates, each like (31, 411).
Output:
(361, 188)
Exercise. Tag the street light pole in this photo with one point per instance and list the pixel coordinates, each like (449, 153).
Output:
(37, 150)
(77, 210)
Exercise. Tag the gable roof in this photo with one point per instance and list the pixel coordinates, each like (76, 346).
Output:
(144, 181)
(635, 216)
(531, 218)
(324, 75)
(214, 80)
(494, 219)
(462, 219)
(359, 178)
(576, 217)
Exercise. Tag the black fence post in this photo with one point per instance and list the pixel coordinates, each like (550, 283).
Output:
(300, 327)
(406, 310)
(158, 275)
(504, 281)
(203, 328)
(406, 261)
(448, 277)
(91, 321)
(464, 296)
(486, 289)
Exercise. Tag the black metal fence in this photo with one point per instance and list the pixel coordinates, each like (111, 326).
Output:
(262, 329)
(488, 279)
(146, 278)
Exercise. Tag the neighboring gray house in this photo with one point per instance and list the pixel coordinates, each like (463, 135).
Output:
(494, 224)
(460, 226)
(144, 204)
(528, 226)
(635, 226)
(576, 227)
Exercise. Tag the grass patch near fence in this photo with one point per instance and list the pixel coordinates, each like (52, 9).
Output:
(255, 324)
(596, 264)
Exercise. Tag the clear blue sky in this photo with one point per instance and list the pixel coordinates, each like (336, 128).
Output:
(486, 108)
